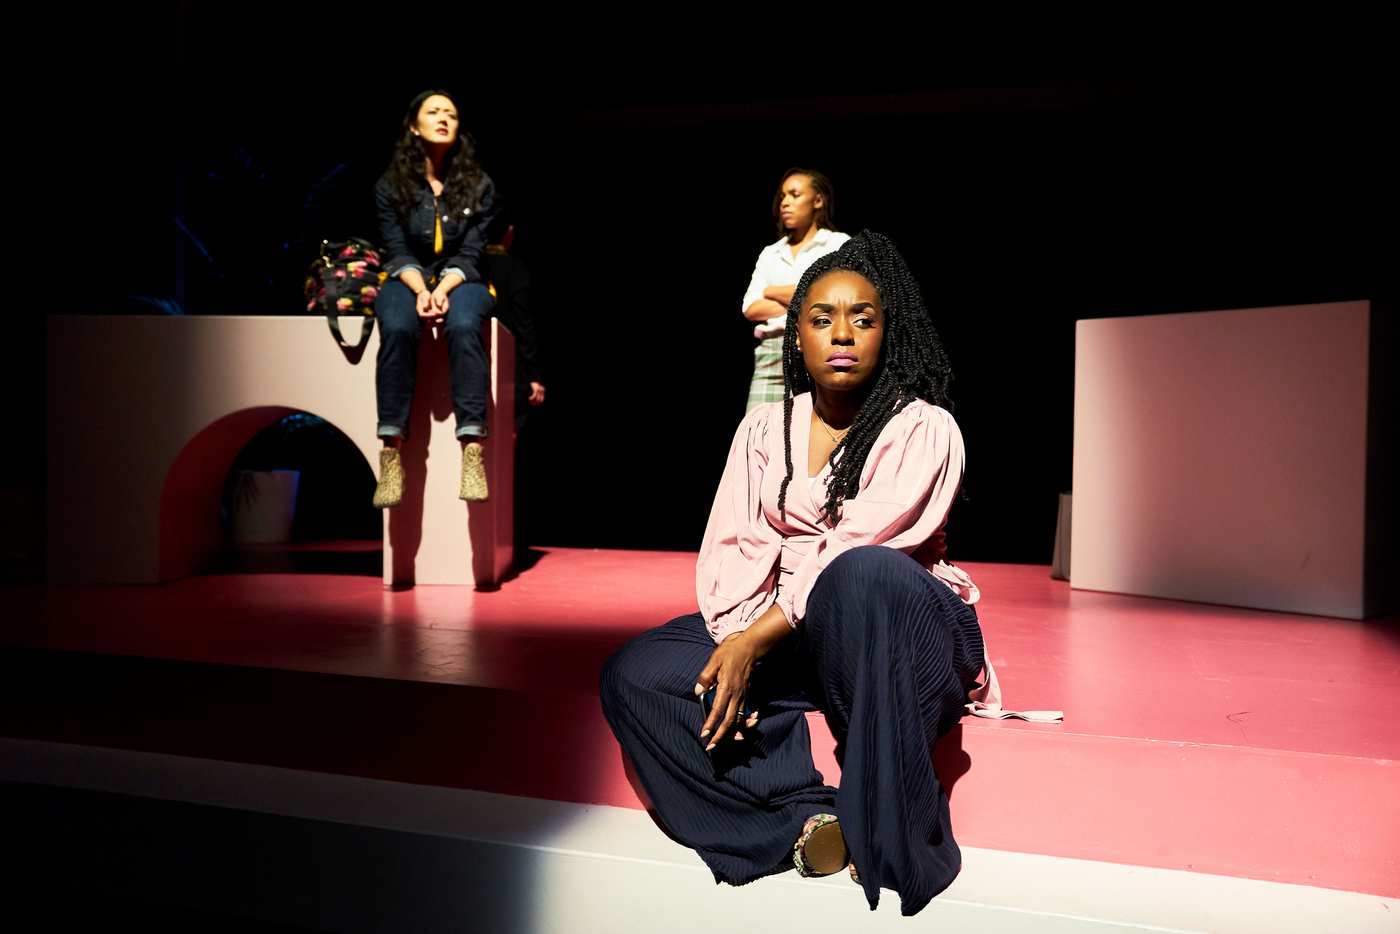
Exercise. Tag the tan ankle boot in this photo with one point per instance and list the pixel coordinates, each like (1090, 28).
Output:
(473, 474)
(389, 491)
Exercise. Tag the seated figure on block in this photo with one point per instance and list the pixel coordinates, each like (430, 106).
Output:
(434, 204)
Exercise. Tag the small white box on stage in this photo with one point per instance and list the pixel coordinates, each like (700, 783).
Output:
(1238, 457)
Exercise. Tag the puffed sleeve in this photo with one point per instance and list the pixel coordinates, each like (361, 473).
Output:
(738, 562)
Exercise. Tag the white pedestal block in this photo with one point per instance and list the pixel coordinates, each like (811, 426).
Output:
(146, 414)
(1237, 457)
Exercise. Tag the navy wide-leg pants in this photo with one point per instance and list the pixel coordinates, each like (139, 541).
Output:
(887, 653)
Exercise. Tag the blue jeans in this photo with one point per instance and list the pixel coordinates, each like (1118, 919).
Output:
(469, 305)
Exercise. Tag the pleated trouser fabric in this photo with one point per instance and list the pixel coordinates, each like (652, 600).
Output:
(887, 653)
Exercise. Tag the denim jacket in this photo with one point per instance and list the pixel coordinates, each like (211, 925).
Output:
(408, 242)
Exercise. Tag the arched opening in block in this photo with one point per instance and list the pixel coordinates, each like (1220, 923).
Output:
(202, 489)
(298, 499)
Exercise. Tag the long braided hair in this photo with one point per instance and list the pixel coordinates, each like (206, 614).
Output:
(407, 167)
(913, 364)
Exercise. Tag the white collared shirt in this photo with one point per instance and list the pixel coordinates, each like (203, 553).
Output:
(777, 266)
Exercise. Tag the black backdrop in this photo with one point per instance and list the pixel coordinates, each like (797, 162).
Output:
(1024, 198)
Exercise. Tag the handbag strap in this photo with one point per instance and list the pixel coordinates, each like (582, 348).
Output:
(333, 320)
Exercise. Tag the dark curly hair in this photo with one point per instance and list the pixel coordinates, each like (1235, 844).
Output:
(913, 364)
(407, 173)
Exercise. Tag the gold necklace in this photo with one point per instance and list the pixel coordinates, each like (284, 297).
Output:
(827, 428)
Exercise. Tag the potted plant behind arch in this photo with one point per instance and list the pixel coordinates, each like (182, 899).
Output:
(299, 478)
(264, 506)
(261, 495)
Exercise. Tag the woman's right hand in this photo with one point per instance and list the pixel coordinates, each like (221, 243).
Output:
(424, 304)
(728, 672)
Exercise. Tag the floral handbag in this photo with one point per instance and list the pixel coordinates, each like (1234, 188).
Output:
(345, 280)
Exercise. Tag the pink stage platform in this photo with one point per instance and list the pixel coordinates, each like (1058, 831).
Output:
(1219, 740)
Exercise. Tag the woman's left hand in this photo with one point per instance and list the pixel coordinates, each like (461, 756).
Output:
(729, 667)
(536, 393)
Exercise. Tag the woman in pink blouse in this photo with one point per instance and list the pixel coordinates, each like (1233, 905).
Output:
(822, 586)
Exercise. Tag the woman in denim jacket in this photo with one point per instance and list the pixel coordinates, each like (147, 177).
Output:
(434, 205)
